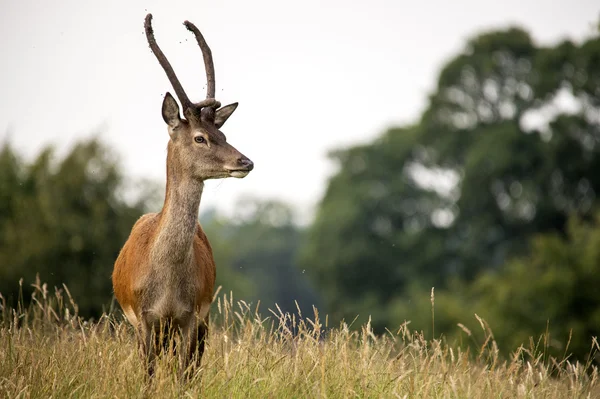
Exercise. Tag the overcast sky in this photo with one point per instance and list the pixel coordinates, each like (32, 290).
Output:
(309, 75)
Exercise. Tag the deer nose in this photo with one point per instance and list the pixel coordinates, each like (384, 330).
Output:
(245, 163)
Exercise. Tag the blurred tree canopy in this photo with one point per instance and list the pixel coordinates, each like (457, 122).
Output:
(64, 219)
(256, 253)
(555, 286)
(507, 149)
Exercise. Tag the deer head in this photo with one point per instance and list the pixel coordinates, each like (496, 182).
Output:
(197, 148)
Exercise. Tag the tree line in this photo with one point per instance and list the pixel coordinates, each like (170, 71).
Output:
(490, 198)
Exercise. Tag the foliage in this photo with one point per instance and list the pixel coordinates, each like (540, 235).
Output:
(47, 350)
(507, 149)
(520, 125)
(553, 289)
(256, 254)
(371, 235)
(64, 219)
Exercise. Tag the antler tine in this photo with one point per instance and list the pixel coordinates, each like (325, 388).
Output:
(208, 61)
(185, 101)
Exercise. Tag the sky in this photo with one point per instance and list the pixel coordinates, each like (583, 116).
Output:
(310, 76)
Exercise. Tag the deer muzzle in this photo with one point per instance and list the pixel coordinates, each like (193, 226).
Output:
(243, 166)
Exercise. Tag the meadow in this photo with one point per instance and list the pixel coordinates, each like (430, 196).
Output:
(48, 351)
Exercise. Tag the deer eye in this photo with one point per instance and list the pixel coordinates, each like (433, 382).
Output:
(199, 139)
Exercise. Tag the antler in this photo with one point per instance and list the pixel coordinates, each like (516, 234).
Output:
(208, 61)
(183, 98)
(208, 65)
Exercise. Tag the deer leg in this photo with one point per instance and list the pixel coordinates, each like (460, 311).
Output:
(186, 328)
(201, 335)
(149, 332)
(147, 348)
(164, 338)
(194, 337)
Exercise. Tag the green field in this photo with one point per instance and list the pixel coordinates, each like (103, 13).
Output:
(47, 351)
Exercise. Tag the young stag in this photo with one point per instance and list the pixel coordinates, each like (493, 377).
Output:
(165, 274)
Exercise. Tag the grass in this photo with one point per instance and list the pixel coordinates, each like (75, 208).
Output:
(48, 351)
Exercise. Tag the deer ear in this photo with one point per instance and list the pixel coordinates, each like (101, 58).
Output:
(223, 114)
(170, 111)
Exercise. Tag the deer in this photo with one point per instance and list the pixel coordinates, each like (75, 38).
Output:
(164, 275)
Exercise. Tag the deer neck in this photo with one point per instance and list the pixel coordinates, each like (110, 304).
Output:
(178, 218)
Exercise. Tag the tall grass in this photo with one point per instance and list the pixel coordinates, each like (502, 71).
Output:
(47, 350)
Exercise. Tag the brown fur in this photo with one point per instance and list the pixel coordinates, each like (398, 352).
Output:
(135, 252)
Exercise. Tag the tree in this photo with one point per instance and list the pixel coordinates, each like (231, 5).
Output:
(553, 289)
(64, 220)
(373, 232)
(256, 254)
(519, 124)
(507, 149)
